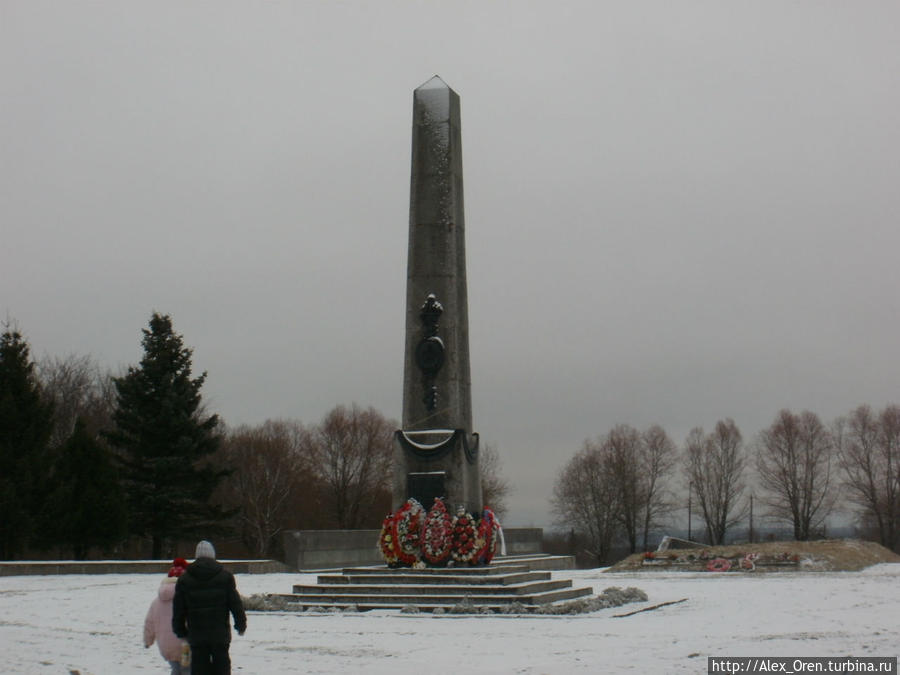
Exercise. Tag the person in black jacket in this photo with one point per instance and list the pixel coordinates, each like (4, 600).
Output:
(204, 595)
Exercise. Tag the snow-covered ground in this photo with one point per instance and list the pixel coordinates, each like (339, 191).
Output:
(93, 624)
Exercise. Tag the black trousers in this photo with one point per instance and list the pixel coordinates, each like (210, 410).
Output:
(210, 659)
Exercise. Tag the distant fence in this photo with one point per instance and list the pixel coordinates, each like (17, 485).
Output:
(322, 549)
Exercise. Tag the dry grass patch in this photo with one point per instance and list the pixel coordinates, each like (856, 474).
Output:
(828, 555)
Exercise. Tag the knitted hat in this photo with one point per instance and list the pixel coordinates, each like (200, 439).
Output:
(205, 550)
(179, 565)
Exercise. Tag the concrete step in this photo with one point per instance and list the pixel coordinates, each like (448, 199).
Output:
(514, 579)
(458, 590)
(395, 577)
(482, 570)
(428, 602)
(537, 561)
(500, 565)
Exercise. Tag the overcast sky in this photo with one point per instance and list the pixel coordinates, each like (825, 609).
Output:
(676, 212)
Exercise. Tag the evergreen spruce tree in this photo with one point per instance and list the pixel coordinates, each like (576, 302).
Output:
(166, 443)
(86, 507)
(25, 426)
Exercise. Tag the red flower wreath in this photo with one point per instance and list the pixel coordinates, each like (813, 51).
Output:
(386, 541)
(464, 536)
(406, 531)
(438, 531)
(487, 536)
(718, 565)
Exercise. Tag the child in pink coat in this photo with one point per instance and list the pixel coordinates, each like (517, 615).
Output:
(158, 624)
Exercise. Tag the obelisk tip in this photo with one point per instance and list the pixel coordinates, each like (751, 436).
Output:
(434, 83)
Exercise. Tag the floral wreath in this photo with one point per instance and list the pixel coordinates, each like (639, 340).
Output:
(386, 541)
(438, 534)
(413, 538)
(465, 542)
(718, 565)
(407, 530)
(748, 562)
(487, 533)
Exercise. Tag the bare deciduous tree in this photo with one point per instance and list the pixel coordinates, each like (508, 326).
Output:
(658, 458)
(714, 465)
(616, 484)
(351, 451)
(269, 478)
(494, 487)
(76, 387)
(869, 451)
(793, 460)
(623, 452)
(586, 499)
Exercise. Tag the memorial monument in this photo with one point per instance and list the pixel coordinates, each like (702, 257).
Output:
(436, 451)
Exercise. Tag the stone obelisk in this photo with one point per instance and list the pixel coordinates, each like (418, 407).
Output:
(436, 452)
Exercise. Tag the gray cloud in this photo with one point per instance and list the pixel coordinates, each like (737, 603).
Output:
(675, 212)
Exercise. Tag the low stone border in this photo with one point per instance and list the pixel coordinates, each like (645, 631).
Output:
(40, 568)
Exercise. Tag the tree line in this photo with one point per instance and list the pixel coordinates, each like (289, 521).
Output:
(622, 486)
(92, 461)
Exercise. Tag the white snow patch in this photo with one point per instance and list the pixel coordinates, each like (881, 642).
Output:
(93, 624)
(434, 97)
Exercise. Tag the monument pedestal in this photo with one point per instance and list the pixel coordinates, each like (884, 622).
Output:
(523, 580)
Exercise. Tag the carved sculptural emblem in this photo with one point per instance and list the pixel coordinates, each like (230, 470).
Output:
(430, 350)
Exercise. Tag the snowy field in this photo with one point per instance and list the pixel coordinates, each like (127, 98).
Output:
(93, 624)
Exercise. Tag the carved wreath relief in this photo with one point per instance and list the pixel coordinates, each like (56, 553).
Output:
(430, 350)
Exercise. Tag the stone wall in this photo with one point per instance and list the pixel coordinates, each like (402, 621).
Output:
(322, 549)
(523, 540)
(304, 550)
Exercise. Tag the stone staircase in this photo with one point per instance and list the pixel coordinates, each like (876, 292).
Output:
(523, 579)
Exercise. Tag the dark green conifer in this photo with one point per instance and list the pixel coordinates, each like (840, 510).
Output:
(86, 507)
(166, 441)
(25, 426)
